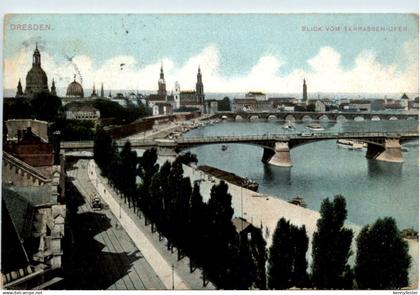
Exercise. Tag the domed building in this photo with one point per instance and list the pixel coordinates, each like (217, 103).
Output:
(74, 89)
(36, 79)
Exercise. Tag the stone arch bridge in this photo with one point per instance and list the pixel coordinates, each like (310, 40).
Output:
(299, 116)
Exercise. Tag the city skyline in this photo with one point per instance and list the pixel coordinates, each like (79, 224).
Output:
(384, 63)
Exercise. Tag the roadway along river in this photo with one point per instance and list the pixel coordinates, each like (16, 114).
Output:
(323, 169)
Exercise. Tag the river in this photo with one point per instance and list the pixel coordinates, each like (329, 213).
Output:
(323, 169)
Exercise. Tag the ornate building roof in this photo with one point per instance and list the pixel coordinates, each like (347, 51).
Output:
(36, 79)
(74, 89)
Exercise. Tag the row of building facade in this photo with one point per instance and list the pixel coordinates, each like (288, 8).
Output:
(164, 102)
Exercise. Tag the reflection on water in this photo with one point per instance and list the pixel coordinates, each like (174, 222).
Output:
(282, 174)
(322, 169)
(384, 169)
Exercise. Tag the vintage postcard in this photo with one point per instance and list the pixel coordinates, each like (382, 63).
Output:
(210, 151)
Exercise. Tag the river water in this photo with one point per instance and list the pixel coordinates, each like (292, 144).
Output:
(323, 169)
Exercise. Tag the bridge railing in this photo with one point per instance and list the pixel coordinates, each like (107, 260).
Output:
(288, 136)
(247, 138)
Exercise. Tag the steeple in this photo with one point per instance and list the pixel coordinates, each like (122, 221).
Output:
(36, 61)
(53, 89)
(110, 95)
(93, 91)
(161, 82)
(305, 93)
(162, 75)
(19, 92)
(199, 88)
(102, 90)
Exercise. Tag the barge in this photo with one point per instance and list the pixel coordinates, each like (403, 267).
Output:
(230, 177)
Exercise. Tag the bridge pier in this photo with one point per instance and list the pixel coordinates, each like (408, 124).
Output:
(279, 157)
(166, 151)
(389, 152)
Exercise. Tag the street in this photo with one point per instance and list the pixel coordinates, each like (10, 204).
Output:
(102, 254)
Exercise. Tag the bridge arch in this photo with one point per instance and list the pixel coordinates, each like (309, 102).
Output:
(359, 118)
(239, 118)
(290, 118)
(393, 118)
(341, 118)
(375, 118)
(323, 117)
(271, 118)
(254, 118)
(307, 118)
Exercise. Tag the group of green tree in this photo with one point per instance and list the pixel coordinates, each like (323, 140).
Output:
(382, 259)
(224, 105)
(47, 107)
(42, 106)
(173, 207)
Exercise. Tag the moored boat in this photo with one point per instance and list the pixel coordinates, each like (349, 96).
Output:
(298, 201)
(288, 125)
(315, 126)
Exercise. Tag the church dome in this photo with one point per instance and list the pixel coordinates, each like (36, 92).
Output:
(74, 89)
(37, 76)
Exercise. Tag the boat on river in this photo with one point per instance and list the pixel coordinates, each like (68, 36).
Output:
(351, 144)
(315, 127)
(298, 201)
(230, 177)
(288, 125)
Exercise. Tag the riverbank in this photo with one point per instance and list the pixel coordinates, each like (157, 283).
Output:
(174, 129)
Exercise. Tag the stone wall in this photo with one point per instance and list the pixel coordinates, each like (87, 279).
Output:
(39, 128)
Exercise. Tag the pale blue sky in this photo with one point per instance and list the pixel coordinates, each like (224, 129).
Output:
(241, 39)
(268, 52)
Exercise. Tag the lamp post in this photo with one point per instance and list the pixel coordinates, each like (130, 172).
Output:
(173, 279)
(120, 208)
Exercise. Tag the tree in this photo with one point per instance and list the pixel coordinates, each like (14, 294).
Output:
(300, 276)
(129, 165)
(222, 235)
(382, 260)
(146, 169)
(17, 108)
(280, 261)
(197, 224)
(331, 246)
(121, 115)
(45, 106)
(102, 150)
(188, 158)
(224, 104)
(74, 129)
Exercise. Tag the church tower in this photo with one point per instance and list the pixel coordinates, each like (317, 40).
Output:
(177, 95)
(93, 91)
(305, 94)
(36, 79)
(161, 83)
(19, 92)
(53, 89)
(199, 89)
(102, 90)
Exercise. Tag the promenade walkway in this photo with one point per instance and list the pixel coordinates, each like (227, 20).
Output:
(154, 251)
(118, 265)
